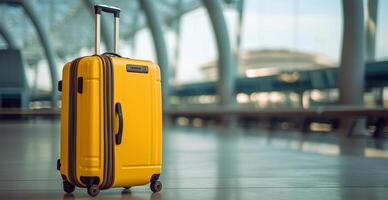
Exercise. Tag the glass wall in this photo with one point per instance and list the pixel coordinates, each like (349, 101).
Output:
(280, 40)
(197, 47)
(290, 35)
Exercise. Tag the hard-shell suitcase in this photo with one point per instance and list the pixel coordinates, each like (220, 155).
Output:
(111, 120)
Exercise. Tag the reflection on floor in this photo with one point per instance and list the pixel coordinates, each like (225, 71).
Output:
(210, 163)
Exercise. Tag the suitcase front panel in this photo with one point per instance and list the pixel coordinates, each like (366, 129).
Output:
(137, 89)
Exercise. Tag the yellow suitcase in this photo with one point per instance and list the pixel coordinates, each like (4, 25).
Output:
(111, 120)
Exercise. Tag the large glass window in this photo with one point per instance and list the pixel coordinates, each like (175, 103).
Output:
(382, 31)
(144, 47)
(197, 48)
(289, 35)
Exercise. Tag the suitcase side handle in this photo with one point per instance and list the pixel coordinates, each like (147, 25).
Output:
(109, 9)
(119, 134)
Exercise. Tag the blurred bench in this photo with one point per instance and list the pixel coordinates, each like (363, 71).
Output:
(29, 112)
(306, 115)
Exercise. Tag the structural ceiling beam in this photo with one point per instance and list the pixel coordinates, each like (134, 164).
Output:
(7, 36)
(47, 46)
(154, 23)
(226, 68)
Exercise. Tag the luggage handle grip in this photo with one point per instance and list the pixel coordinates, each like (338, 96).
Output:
(119, 134)
(116, 12)
(109, 9)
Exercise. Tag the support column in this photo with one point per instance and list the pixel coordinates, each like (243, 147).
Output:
(155, 26)
(226, 68)
(352, 73)
(107, 36)
(7, 37)
(47, 46)
(371, 29)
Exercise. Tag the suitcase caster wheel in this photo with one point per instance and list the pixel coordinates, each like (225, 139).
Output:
(127, 188)
(156, 186)
(68, 187)
(93, 190)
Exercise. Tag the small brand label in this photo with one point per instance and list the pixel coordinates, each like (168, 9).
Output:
(137, 69)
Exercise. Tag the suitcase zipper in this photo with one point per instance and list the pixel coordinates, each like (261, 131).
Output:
(73, 122)
(109, 135)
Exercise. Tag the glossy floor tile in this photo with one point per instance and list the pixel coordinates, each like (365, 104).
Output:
(210, 163)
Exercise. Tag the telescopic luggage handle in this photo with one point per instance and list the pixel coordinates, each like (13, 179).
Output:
(109, 9)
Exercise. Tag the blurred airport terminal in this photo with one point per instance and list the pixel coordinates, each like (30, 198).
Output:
(262, 99)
